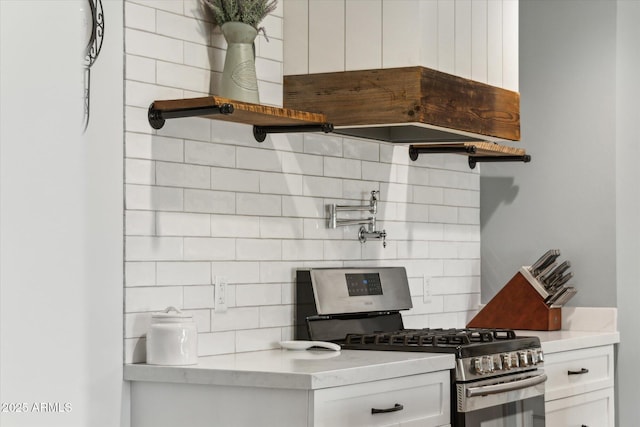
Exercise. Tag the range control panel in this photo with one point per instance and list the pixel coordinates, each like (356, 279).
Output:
(363, 284)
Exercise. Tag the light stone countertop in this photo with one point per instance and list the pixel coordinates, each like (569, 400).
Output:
(304, 369)
(557, 341)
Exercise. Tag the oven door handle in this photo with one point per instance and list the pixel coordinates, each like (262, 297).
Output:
(504, 387)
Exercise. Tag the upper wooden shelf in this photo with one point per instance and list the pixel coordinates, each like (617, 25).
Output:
(265, 119)
(478, 151)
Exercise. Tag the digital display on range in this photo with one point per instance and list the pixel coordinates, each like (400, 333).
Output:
(363, 284)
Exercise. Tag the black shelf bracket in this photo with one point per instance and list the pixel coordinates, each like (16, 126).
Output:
(415, 151)
(260, 132)
(158, 117)
(475, 159)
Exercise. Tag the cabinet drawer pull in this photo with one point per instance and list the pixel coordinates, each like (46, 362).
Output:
(580, 372)
(396, 407)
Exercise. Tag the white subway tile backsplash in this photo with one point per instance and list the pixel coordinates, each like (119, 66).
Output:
(153, 248)
(269, 71)
(469, 216)
(154, 147)
(216, 343)
(205, 153)
(139, 17)
(194, 128)
(152, 298)
(235, 180)
(462, 302)
(182, 224)
(321, 187)
(428, 195)
(281, 228)
(236, 271)
(361, 149)
(273, 49)
(235, 319)
(181, 27)
(234, 226)
(258, 159)
(443, 214)
(258, 249)
(139, 172)
(205, 57)
(183, 175)
(323, 144)
(198, 296)
(342, 168)
(209, 201)
(140, 69)
(153, 45)
(183, 273)
(183, 76)
(303, 207)
(461, 267)
(257, 339)
(467, 198)
(139, 273)
(301, 163)
(259, 204)
(140, 223)
(258, 294)
(278, 183)
(302, 250)
(204, 201)
(277, 315)
(462, 233)
(209, 248)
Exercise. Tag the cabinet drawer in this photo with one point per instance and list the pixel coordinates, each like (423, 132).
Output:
(578, 371)
(424, 398)
(593, 409)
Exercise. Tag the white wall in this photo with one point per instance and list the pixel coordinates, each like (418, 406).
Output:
(60, 219)
(566, 197)
(628, 209)
(204, 199)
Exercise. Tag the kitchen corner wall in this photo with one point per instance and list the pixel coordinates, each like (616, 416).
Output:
(204, 200)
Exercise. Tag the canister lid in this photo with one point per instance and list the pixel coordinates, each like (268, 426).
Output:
(171, 315)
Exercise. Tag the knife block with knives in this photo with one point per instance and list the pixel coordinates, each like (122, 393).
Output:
(532, 299)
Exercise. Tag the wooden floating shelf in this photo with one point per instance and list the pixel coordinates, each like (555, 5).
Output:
(265, 119)
(478, 151)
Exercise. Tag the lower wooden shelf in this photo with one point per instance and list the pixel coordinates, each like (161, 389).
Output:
(478, 151)
(265, 119)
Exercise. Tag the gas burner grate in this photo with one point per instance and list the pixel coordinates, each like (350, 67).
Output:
(431, 337)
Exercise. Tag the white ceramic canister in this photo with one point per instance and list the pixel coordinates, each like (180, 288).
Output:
(172, 338)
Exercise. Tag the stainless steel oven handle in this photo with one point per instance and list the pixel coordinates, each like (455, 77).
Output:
(503, 387)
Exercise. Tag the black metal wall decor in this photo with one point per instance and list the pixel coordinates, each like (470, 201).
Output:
(92, 16)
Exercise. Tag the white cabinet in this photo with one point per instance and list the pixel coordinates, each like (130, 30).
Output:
(414, 400)
(475, 39)
(579, 391)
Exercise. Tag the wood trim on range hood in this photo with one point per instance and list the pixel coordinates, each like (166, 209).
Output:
(407, 105)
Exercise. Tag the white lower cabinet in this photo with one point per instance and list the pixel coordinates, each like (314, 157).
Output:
(579, 391)
(417, 400)
(410, 401)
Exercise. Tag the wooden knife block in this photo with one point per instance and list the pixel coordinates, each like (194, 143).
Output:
(518, 306)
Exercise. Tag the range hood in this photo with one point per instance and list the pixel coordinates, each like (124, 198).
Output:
(408, 105)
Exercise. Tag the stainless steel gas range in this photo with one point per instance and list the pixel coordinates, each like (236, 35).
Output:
(498, 380)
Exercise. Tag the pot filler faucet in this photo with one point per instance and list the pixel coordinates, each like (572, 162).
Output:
(368, 232)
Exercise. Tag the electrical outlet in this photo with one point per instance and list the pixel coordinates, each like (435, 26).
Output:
(426, 289)
(220, 294)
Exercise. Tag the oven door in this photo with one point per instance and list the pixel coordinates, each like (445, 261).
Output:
(512, 401)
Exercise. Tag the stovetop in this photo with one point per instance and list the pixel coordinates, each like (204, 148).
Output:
(463, 342)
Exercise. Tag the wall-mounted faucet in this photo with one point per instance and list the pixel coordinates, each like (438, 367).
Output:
(368, 232)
